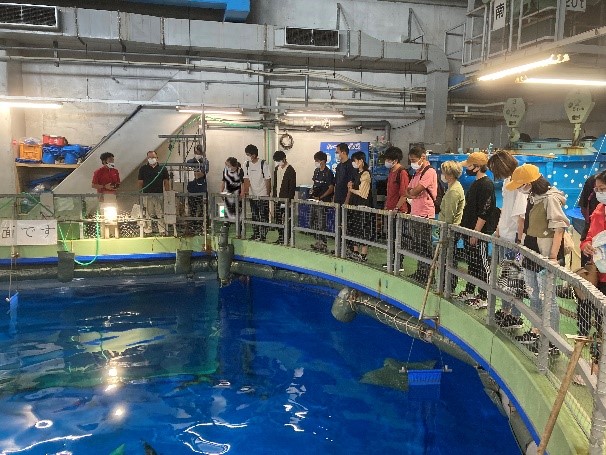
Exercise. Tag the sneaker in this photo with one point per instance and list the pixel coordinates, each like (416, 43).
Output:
(464, 296)
(509, 321)
(349, 254)
(254, 237)
(319, 246)
(553, 349)
(528, 338)
(477, 303)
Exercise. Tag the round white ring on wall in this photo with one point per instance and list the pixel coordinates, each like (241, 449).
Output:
(286, 141)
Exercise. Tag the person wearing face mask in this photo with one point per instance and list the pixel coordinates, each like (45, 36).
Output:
(360, 224)
(344, 174)
(544, 225)
(106, 179)
(510, 228)
(284, 187)
(257, 183)
(597, 224)
(422, 190)
(197, 183)
(397, 181)
(322, 190)
(453, 203)
(480, 214)
(153, 180)
(231, 184)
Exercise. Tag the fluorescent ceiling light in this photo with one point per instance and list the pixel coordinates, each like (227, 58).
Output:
(315, 114)
(549, 81)
(28, 105)
(199, 110)
(552, 60)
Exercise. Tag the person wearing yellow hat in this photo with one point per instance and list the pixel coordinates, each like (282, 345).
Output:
(480, 214)
(544, 226)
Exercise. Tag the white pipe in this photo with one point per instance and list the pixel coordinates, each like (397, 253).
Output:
(377, 102)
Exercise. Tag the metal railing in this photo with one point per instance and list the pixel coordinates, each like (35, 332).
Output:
(532, 301)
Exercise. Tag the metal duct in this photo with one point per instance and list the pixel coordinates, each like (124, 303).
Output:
(235, 10)
(357, 50)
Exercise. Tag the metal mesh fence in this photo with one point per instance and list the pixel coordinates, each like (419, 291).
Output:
(315, 226)
(363, 239)
(419, 250)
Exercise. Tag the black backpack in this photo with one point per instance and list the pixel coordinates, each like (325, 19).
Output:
(437, 201)
(262, 165)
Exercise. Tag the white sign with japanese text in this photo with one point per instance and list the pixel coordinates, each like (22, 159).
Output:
(499, 13)
(576, 5)
(36, 232)
(7, 232)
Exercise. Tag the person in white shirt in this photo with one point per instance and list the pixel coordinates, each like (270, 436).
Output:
(257, 183)
(510, 228)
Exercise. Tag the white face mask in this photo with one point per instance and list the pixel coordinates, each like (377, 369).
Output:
(525, 189)
(317, 164)
(389, 164)
(443, 178)
(152, 161)
(354, 165)
(111, 165)
(601, 196)
(198, 157)
(415, 166)
(279, 163)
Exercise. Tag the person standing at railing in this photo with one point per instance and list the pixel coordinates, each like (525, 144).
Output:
(481, 215)
(544, 225)
(422, 190)
(106, 179)
(452, 205)
(360, 224)
(322, 190)
(231, 185)
(153, 180)
(257, 182)
(588, 203)
(284, 187)
(397, 183)
(197, 183)
(597, 224)
(344, 174)
(510, 228)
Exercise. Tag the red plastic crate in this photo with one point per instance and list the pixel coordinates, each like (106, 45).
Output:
(30, 152)
(48, 139)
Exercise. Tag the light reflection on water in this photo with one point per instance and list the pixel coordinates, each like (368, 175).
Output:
(189, 368)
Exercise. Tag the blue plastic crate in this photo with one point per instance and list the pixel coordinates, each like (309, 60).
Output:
(424, 377)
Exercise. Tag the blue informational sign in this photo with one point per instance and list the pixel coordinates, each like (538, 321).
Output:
(330, 149)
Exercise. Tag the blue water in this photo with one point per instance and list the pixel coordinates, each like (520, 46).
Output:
(258, 367)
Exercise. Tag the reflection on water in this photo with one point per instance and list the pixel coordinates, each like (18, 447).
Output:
(253, 368)
(80, 338)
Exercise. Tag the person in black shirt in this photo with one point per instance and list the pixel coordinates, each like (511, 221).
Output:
(153, 180)
(197, 183)
(344, 173)
(322, 190)
(284, 187)
(479, 214)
